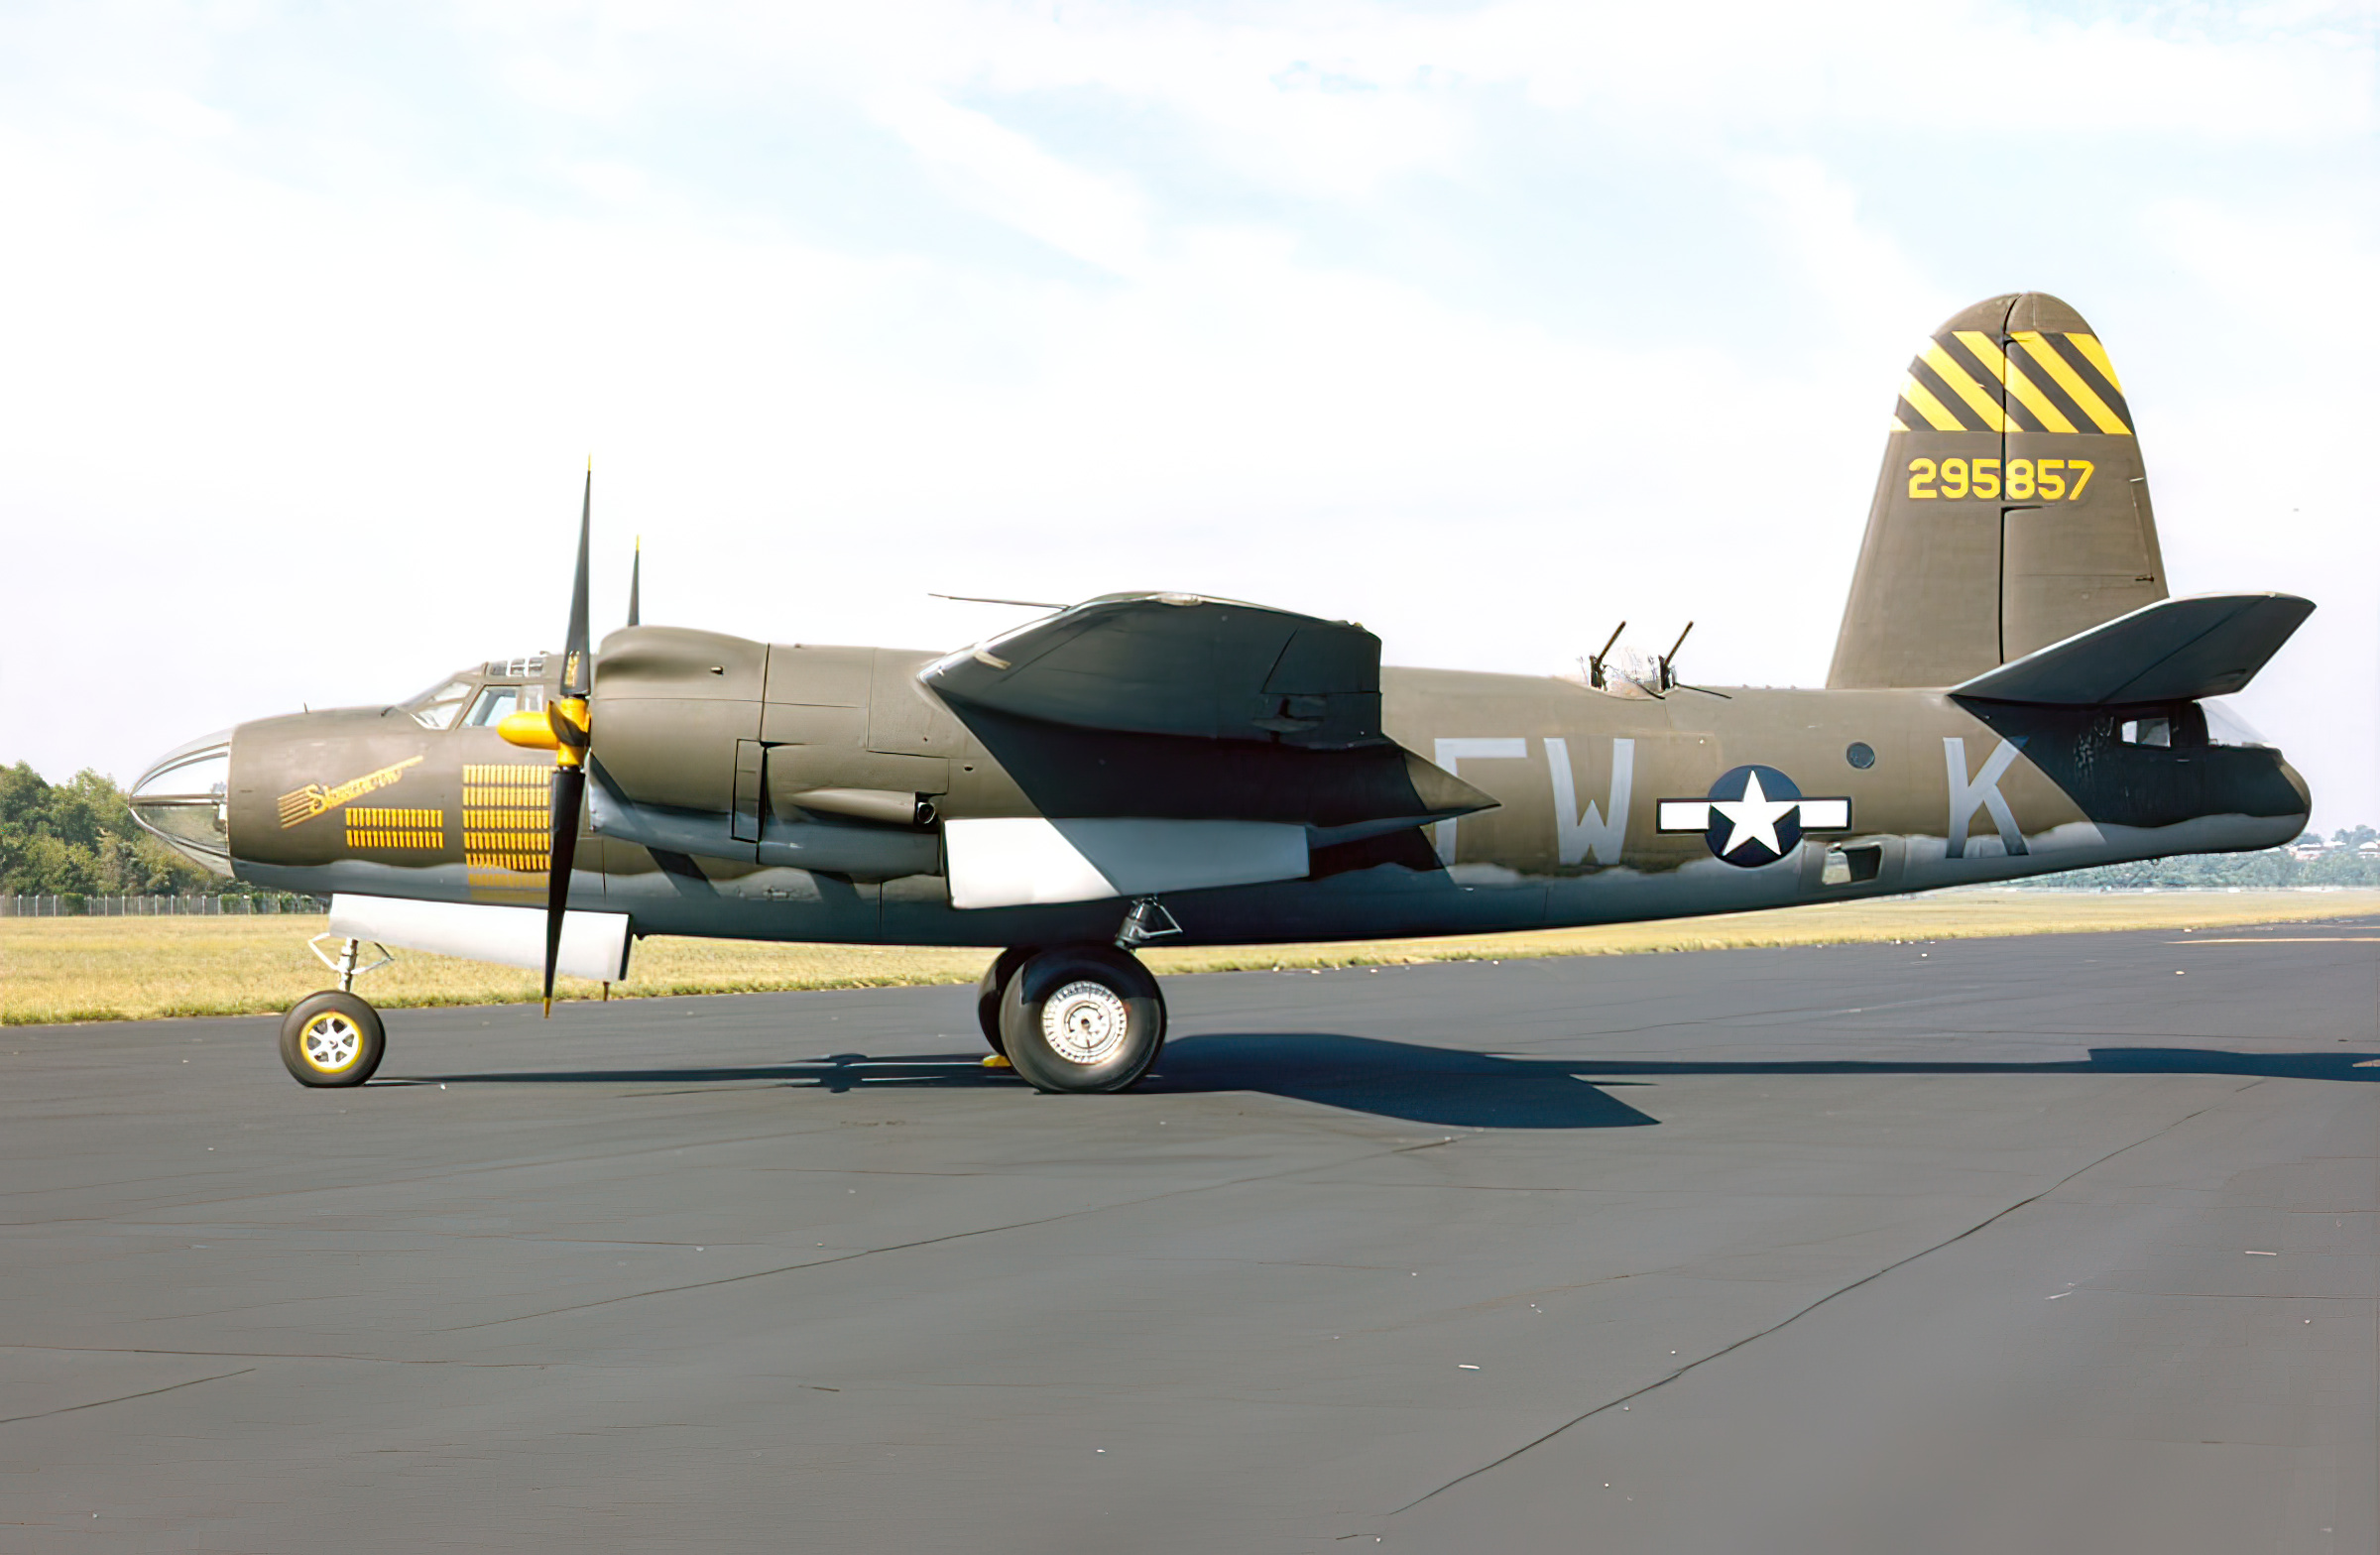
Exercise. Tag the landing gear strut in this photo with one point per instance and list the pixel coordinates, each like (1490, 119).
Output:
(334, 1039)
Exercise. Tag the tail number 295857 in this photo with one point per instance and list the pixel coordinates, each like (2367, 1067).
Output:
(2044, 480)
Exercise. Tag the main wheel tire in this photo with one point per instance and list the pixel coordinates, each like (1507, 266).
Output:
(988, 993)
(331, 1039)
(1082, 1018)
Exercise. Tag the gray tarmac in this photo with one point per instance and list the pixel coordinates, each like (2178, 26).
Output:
(2049, 1244)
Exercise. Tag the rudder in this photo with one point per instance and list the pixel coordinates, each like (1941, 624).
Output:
(2012, 509)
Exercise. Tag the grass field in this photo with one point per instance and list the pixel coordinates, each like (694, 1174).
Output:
(131, 969)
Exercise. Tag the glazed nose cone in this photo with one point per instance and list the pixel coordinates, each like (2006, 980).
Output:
(2304, 794)
(184, 801)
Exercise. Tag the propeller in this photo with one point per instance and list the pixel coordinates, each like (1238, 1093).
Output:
(636, 575)
(568, 718)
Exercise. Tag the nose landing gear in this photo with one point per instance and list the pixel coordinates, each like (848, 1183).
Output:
(334, 1039)
(331, 1039)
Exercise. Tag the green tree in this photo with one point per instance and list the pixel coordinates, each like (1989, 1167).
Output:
(79, 836)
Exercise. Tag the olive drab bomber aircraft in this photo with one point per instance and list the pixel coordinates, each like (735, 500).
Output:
(2013, 693)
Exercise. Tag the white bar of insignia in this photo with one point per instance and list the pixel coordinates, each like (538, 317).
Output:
(1686, 816)
(1825, 816)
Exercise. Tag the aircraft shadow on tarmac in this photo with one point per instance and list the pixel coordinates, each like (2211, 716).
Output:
(1447, 1086)
(1421, 1084)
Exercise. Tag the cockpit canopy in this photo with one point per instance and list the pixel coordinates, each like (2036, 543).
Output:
(484, 696)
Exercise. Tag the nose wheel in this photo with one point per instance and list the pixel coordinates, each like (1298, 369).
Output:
(331, 1039)
(1081, 1018)
(334, 1039)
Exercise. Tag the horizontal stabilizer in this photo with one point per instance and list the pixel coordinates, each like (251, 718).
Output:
(2177, 650)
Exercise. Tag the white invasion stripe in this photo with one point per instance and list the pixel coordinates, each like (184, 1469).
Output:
(594, 945)
(1020, 861)
(1685, 815)
(1825, 816)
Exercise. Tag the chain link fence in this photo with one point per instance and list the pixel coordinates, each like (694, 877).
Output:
(72, 904)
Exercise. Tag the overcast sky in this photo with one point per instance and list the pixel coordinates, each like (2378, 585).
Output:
(1486, 325)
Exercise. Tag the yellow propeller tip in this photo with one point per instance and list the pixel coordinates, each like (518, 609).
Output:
(548, 1009)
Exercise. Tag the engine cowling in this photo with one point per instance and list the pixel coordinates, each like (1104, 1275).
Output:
(826, 759)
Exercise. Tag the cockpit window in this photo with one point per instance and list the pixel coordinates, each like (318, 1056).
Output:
(499, 702)
(2147, 731)
(2226, 727)
(436, 708)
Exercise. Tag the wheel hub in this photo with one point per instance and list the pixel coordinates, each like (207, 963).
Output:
(331, 1041)
(1085, 1022)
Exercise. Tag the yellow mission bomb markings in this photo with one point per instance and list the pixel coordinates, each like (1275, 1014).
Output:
(507, 831)
(304, 804)
(372, 827)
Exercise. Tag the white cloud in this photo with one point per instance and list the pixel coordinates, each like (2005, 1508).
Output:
(1003, 175)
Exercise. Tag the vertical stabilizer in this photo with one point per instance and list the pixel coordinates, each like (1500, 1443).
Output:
(2012, 509)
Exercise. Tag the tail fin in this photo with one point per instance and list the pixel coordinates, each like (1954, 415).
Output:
(2012, 511)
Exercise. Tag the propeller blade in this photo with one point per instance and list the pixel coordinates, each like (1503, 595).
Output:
(568, 717)
(569, 789)
(574, 647)
(635, 578)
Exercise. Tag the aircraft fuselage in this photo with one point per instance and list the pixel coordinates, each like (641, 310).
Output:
(1597, 800)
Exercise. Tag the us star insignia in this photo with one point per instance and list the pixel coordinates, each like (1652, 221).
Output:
(1754, 815)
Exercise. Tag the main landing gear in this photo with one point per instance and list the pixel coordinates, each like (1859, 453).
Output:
(1080, 1019)
(334, 1039)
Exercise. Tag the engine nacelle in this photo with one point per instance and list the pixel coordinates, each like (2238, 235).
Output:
(825, 758)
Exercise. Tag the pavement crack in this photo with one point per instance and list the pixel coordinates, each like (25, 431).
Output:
(928, 1241)
(44, 1414)
(274, 1355)
(1793, 1317)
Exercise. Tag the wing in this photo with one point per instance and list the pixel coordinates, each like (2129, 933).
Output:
(1173, 741)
